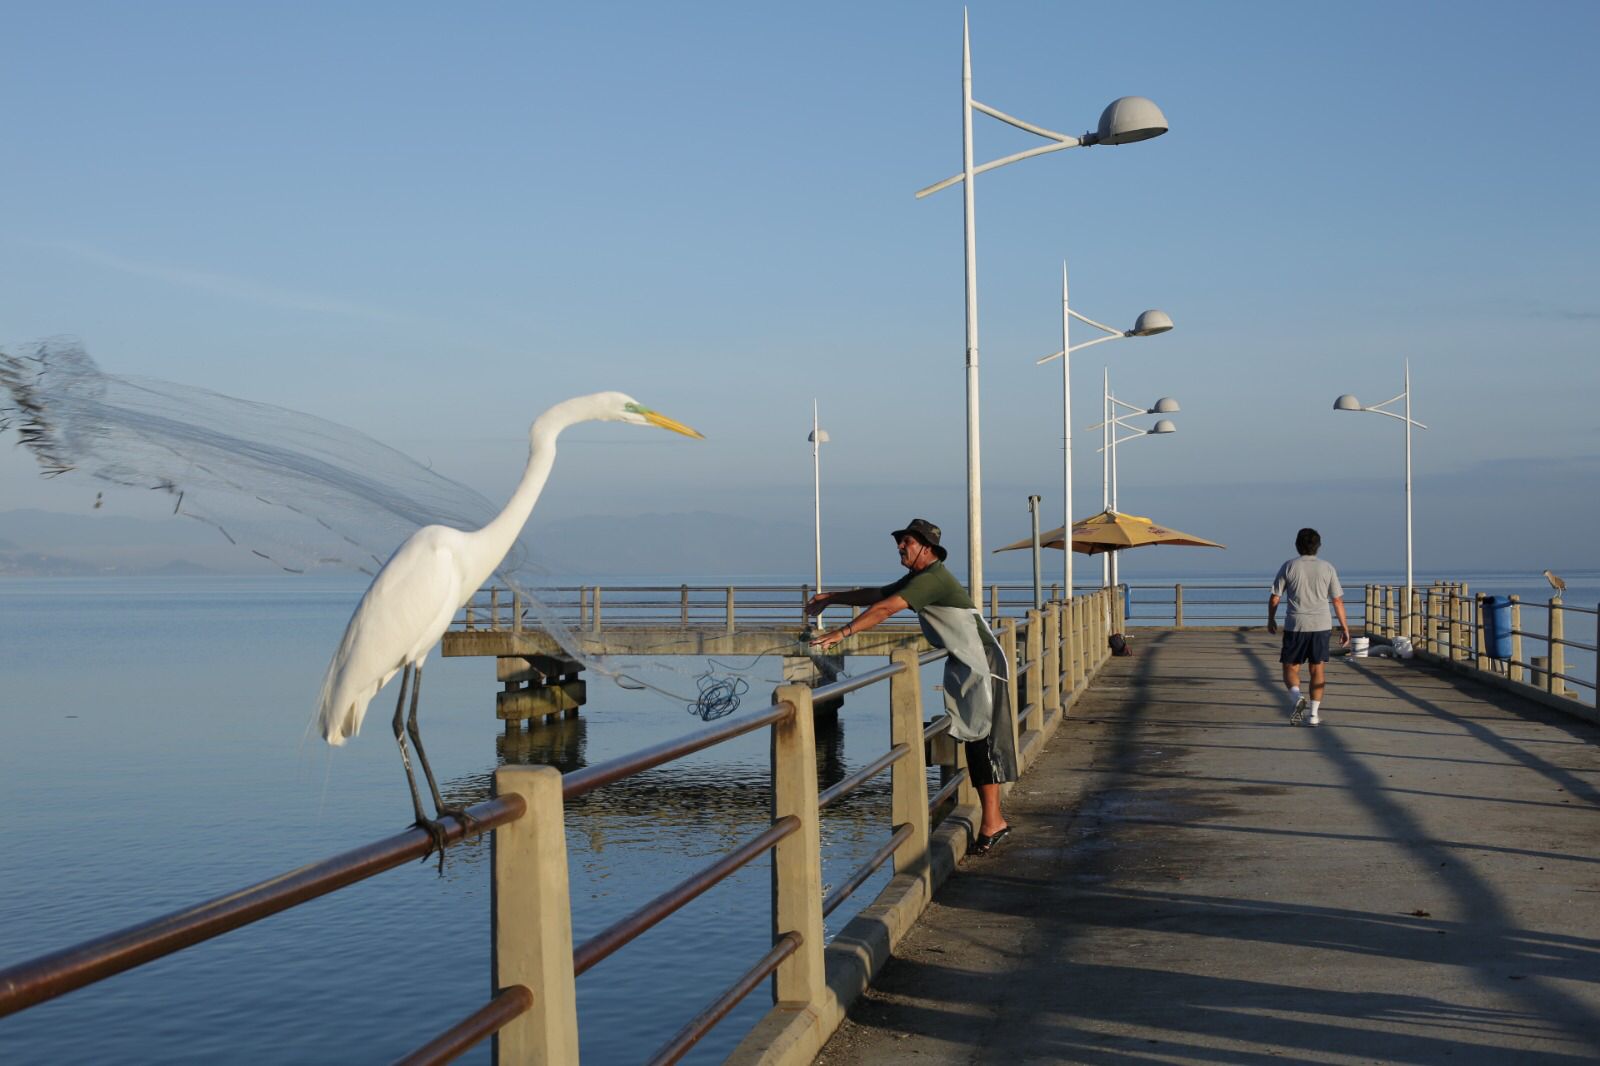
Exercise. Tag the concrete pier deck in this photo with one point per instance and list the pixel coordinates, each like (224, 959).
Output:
(1192, 880)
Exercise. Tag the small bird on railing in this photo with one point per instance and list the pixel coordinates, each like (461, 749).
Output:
(410, 602)
(1555, 581)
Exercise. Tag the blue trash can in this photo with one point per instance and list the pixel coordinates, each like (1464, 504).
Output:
(1497, 626)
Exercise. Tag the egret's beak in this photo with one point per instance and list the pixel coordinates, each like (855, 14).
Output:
(657, 419)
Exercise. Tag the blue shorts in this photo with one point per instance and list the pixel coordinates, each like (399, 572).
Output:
(1307, 647)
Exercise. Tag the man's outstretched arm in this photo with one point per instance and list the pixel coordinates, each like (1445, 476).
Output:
(1344, 626)
(866, 620)
(862, 597)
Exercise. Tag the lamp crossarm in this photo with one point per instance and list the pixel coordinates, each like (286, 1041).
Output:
(1377, 409)
(1096, 325)
(1079, 347)
(959, 178)
(1058, 141)
(1133, 432)
(1130, 407)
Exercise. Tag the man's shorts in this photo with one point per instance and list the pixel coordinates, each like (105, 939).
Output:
(1307, 647)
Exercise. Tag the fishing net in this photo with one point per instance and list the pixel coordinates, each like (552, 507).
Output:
(299, 491)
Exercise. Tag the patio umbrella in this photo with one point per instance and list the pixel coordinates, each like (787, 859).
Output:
(1112, 531)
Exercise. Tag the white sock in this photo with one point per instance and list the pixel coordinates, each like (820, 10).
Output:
(1314, 705)
(1294, 694)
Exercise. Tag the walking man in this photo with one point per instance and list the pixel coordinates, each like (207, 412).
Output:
(1309, 584)
(976, 682)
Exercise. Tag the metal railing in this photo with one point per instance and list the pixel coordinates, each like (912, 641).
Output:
(1447, 621)
(590, 608)
(533, 1014)
(1192, 604)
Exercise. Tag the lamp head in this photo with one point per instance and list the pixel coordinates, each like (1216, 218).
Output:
(1347, 402)
(818, 436)
(1164, 426)
(1150, 323)
(1130, 119)
(1165, 406)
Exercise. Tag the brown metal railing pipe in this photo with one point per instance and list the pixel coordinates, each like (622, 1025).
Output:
(867, 869)
(935, 728)
(863, 775)
(58, 973)
(579, 782)
(619, 933)
(702, 1023)
(859, 681)
(505, 1007)
(931, 656)
(948, 790)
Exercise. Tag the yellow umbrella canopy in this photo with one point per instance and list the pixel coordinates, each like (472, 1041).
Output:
(1112, 531)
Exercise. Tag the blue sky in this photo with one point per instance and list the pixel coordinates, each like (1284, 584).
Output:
(429, 223)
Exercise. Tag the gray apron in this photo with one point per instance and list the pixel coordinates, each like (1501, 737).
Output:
(969, 695)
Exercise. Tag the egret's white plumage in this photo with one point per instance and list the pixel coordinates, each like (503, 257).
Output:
(408, 606)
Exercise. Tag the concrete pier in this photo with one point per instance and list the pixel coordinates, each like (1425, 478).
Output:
(1193, 880)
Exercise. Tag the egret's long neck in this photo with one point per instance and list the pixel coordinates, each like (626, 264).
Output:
(499, 535)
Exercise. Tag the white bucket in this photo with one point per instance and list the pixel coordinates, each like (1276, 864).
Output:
(1359, 646)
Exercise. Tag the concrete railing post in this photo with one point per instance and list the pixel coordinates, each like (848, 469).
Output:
(1556, 650)
(730, 609)
(797, 859)
(516, 612)
(1035, 654)
(1050, 706)
(1515, 668)
(1008, 650)
(1069, 652)
(909, 778)
(594, 610)
(994, 602)
(683, 605)
(805, 594)
(532, 915)
(1177, 606)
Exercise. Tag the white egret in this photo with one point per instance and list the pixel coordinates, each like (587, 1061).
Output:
(409, 605)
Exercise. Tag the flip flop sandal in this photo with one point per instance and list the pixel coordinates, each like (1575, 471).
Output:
(985, 844)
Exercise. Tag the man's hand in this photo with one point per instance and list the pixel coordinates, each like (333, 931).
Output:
(1272, 624)
(816, 604)
(1344, 637)
(828, 639)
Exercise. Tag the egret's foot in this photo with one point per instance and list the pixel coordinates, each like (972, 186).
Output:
(436, 838)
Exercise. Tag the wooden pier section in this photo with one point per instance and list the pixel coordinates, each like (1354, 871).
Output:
(1193, 880)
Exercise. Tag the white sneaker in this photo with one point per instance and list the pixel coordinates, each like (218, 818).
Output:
(1313, 720)
(1299, 711)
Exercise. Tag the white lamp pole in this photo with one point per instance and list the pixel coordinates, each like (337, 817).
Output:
(1124, 121)
(818, 438)
(1350, 403)
(1148, 325)
(1117, 413)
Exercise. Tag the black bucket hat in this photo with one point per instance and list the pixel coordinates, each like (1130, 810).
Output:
(924, 531)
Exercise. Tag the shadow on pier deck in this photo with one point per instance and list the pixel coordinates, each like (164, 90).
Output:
(1194, 881)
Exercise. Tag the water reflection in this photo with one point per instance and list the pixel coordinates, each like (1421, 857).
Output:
(558, 742)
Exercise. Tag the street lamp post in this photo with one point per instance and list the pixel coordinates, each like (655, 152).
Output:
(1124, 121)
(1117, 412)
(1350, 403)
(1147, 325)
(818, 437)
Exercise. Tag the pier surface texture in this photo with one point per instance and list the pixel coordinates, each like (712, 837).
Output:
(1193, 880)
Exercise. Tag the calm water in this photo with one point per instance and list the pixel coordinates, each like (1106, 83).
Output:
(153, 753)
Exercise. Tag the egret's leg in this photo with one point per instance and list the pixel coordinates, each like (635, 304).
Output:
(439, 805)
(435, 830)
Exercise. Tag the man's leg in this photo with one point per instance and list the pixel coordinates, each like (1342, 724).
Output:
(989, 800)
(1318, 681)
(1291, 678)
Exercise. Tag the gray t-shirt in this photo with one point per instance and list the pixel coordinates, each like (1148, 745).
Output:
(1306, 584)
